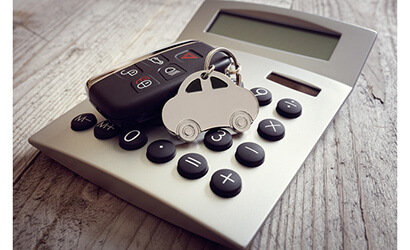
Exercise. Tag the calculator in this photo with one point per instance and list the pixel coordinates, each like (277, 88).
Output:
(300, 67)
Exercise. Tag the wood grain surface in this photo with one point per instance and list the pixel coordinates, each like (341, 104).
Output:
(343, 197)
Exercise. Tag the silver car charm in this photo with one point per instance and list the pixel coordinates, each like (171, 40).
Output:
(209, 99)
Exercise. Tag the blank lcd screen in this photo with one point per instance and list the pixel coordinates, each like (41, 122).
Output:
(275, 35)
(293, 84)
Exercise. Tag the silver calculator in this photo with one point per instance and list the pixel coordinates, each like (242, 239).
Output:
(222, 186)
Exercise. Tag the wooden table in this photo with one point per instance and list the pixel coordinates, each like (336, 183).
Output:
(344, 196)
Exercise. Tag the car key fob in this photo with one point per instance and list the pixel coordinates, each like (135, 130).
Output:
(136, 92)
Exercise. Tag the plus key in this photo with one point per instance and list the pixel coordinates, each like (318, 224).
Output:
(226, 183)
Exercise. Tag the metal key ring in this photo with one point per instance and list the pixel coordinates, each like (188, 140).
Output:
(228, 70)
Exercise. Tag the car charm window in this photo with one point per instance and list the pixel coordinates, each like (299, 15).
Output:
(194, 86)
(218, 83)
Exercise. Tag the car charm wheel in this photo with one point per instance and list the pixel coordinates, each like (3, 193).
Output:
(241, 121)
(188, 130)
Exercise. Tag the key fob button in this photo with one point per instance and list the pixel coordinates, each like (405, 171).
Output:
(144, 83)
(155, 61)
(188, 56)
(171, 71)
(130, 72)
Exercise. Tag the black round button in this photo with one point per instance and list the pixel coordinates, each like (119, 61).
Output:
(161, 151)
(263, 95)
(218, 139)
(289, 108)
(132, 139)
(226, 183)
(192, 166)
(106, 130)
(271, 129)
(250, 154)
(83, 122)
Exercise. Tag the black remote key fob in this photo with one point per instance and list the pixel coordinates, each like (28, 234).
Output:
(135, 93)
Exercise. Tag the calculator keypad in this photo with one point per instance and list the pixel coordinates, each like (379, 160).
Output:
(225, 183)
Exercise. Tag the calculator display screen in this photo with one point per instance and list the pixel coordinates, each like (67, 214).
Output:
(275, 35)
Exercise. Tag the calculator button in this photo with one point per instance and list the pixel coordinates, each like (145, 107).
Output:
(171, 71)
(188, 55)
(106, 130)
(226, 183)
(263, 95)
(83, 122)
(155, 61)
(161, 151)
(218, 139)
(132, 139)
(129, 72)
(192, 166)
(289, 108)
(271, 129)
(250, 154)
(144, 83)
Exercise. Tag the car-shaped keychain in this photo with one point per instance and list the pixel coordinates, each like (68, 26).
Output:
(209, 99)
